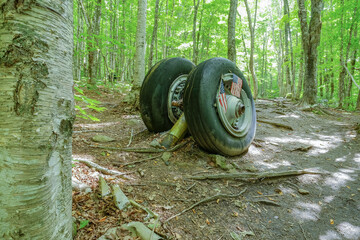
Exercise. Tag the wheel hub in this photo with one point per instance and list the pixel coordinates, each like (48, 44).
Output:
(175, 96)
(235, 112)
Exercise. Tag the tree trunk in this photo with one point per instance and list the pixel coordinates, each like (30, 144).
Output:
(301, 76)
(278, 56)
(287, 52)
(310, 40)
(154, 34)
(93, 30)
(343, 60)
(231, 31)
(37, 115)
(139, 73)
(252, 49)
(195, 50)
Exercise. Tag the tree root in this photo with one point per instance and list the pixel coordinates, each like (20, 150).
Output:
(256, 176)
(209, 199)
(279, 125)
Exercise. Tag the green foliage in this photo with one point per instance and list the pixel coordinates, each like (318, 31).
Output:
(83, 223)
(89, 103)
(115, 42)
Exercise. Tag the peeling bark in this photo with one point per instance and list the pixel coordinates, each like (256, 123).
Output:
(36, 114)
(139, 73)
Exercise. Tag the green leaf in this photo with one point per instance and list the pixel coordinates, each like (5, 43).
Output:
(83, 223)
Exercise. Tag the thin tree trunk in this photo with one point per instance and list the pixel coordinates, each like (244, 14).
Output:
(37, 115)
(287, 52)
(231, 31)
(301, 76)
(154, 34)
(342, 72)
(310, 39)
(252, 49)
(199, 32)
(278, 56)
(195, 50)
(139, 73)
(344, 62)
(292, 64)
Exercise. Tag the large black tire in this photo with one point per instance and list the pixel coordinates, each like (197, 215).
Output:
(154, 92)
(201, 113)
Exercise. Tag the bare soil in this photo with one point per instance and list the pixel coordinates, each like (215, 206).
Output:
(308, 206)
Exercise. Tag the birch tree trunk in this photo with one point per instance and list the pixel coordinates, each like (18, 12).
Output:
(310, 35)
(231, 30)
(139, 72)
(36, 118)
(252, 35)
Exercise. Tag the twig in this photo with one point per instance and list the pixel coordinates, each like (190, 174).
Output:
(143, 150)
(86, 131)
(135, 162)
(262, 175)
(209, 199)
(271, 195)
(268, 202)
(193, 185)
(100, 168)
(131, 137)
(303, 232)
(148, 211)
(279, 125)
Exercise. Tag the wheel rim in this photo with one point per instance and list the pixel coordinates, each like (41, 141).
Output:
(176, 92)
(235, 113)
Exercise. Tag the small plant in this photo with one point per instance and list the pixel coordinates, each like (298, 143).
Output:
(83, 223)
(90, 103)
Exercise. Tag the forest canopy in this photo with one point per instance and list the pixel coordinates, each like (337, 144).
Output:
(104, 38)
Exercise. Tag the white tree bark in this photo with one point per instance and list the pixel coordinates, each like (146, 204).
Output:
(139, 73)
(36, 117)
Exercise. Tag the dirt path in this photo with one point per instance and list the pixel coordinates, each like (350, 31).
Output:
(309, 206)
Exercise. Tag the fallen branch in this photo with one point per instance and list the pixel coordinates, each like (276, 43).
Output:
(150, 213)
(209, 199)
(301, 149)
(100, 168)
(143, 150)
(279, 125)
(135, 162)
(131, 137)
(257, 176)
(268, 202)
(86, 131)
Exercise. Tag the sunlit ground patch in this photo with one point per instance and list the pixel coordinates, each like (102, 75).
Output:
(348, 230)
(306, 211)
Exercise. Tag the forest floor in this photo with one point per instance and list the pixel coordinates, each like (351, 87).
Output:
(306, 206)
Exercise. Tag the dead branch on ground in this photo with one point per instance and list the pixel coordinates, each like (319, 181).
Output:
(100, 168)
(279, 125)
(254, 176)
(135, 162)
(209, 199)
(143, 150)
